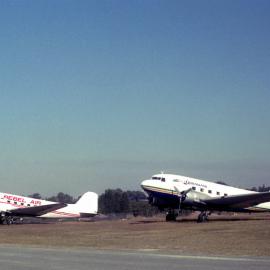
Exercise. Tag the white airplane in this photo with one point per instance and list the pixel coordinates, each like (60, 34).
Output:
(13, 207)
(175, 192)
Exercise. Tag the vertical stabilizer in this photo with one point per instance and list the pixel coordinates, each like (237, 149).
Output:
(87, 205)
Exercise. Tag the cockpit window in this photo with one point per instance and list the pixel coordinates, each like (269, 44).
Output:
(158, 178)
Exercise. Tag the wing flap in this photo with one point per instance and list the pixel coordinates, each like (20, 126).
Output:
(36, 210)
(239, 201)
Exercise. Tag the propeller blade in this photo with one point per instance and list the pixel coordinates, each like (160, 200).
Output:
(182, 196)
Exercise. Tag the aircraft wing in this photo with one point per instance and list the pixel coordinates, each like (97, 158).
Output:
(238, 201)
(36, 210)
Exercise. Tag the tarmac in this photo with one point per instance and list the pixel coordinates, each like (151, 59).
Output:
(27, 258)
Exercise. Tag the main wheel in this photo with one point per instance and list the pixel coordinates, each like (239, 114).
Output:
(202, 217)
(171, 217)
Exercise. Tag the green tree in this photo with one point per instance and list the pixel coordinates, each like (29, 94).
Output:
(124, 203)
(35, 196)
(62, 198)
(118, 201)
(263, 188)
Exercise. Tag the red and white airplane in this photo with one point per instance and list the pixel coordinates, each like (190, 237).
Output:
(14, 206)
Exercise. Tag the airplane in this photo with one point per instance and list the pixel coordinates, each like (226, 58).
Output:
(176, 193)
(14, 207)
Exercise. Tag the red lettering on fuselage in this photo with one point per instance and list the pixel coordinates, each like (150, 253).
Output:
(35, 202)
(14, 198)
(21, 200)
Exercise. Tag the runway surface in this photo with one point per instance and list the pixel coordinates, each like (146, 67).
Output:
(25, 258)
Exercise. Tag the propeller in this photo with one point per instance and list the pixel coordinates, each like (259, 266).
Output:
(182, 196)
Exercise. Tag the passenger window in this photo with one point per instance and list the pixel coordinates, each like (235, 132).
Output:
(210, 191)
(163, 179)
(202, 190)
(218, 193)
(15, 202)
(194, 188)
(8, 201)
(225, 194)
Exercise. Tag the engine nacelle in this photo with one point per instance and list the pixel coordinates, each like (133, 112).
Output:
(195, 199)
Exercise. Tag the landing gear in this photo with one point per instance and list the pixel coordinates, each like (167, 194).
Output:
(171, 215)
(9, 220)
(203, 217)
(4, 219)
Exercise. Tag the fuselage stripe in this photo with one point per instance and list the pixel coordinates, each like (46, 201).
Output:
(162, 190)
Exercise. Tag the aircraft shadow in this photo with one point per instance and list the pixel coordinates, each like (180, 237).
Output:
(145, 222)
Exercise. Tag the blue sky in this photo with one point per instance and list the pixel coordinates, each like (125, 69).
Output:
(103, 94)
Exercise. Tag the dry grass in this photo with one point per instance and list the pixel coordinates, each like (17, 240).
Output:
(227, 235)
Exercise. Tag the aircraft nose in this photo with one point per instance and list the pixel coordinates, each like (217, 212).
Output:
(145, 183)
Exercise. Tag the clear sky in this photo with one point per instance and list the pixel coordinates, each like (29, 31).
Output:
(103, 94)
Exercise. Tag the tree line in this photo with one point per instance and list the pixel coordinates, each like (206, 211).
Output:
(262, 188)
(60, 197)
(116, 201)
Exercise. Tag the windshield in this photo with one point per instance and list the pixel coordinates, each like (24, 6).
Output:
(158, 178)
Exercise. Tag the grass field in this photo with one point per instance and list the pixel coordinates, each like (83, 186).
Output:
(224, 235)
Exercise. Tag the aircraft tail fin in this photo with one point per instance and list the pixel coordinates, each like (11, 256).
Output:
(87, 205)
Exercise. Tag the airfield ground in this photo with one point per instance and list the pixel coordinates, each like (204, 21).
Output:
(233, 235)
